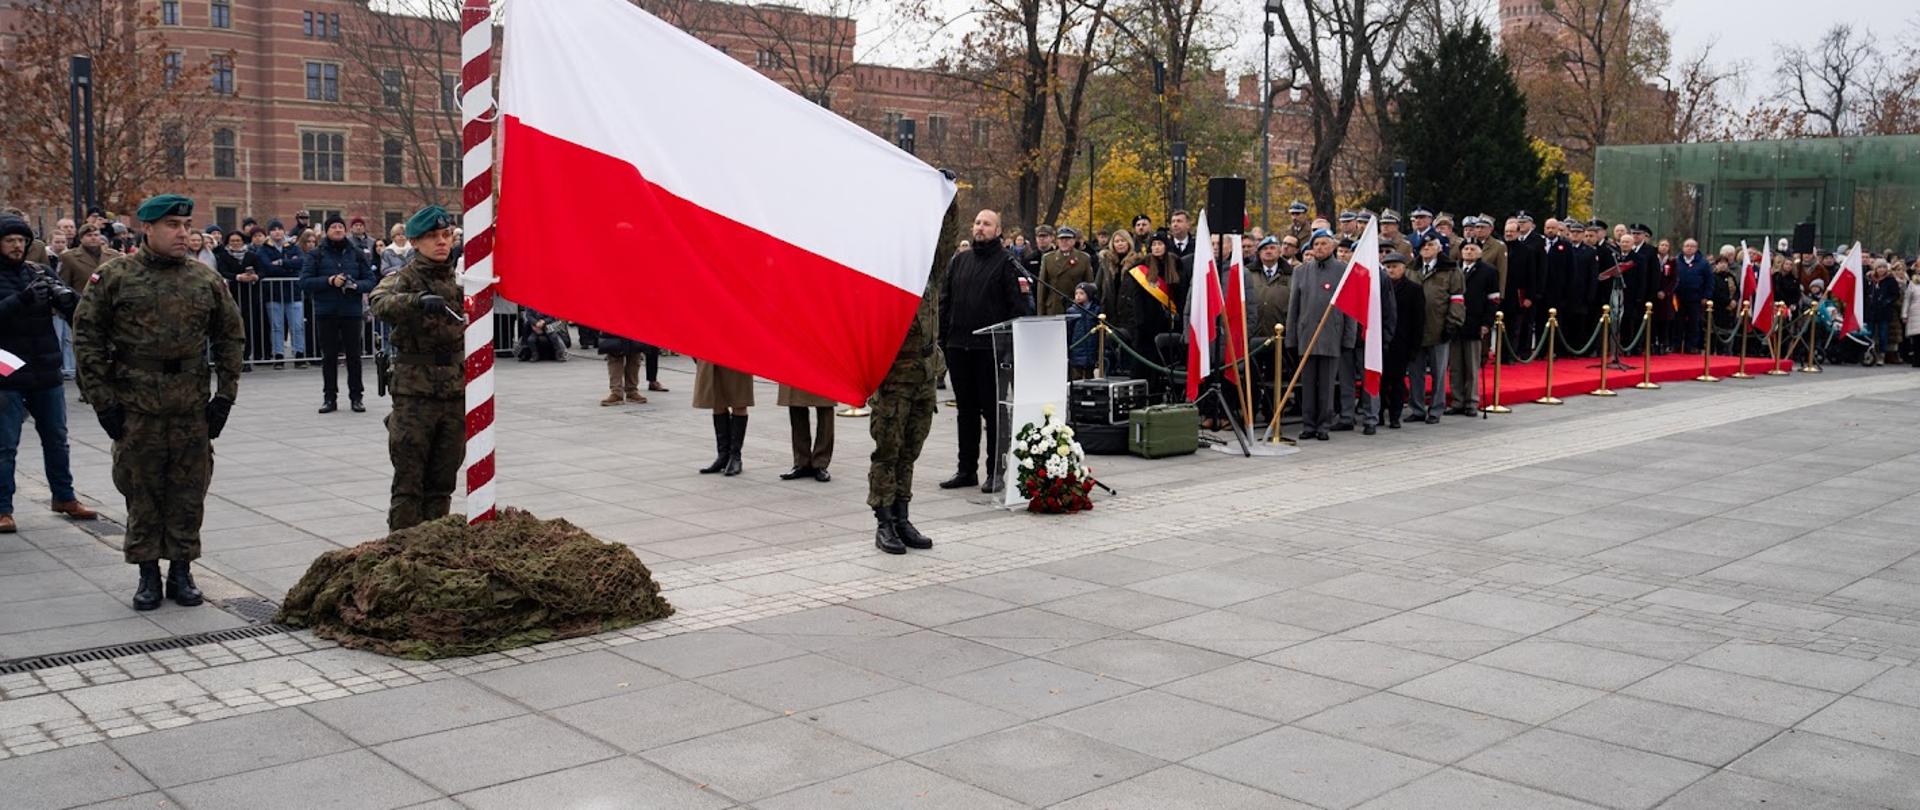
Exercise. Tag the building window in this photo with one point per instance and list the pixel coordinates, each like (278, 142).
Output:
(1293, 158)
(323, 81)
(936, 130)
(390, 87)
(172, 63)
(890, 127)
(223, 153)
(321, 214)
(227, 217)
(982, 133)
(223, 83)
(175, 143)
(323, 157)
(221, 14)
(333, 25)
(169, 12)
(449, 162)
(390, 162)
(768, 58)
(449, 92)
(391, 218)
(306, 23)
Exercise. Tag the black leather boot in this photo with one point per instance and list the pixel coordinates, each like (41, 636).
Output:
(722, 443)
(147, 595)
(909, 536)
(886, 536)
(739, 436)
(961, 480)
(180, 587)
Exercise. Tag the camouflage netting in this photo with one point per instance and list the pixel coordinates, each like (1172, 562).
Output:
(445, 588)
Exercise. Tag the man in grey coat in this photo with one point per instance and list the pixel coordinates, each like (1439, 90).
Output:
(1313, 284)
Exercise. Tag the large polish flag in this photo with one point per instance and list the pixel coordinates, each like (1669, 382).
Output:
(1845, 285)
(656, 188)
(1203, 309)
(1359, 297)
(1762, 313)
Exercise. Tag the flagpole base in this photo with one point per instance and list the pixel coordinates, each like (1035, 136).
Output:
(1603, 392)
(1549, 401)
(1646, 386)
(1777, 373)
(855, 413)
(1739, 375)
(1496, 409)
(1706, 378)
(1810, 369)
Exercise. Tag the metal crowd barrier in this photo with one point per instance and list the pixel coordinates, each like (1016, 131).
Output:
(269, 299)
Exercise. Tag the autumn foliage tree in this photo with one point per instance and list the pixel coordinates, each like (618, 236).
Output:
(152, 109)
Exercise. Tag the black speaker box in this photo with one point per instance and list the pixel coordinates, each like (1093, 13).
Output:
(1227, 205)
(1803, 238)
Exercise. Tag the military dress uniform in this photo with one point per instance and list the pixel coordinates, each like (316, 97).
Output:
(141, 336)
(1061, 270)
(426, 433)
(903, 411)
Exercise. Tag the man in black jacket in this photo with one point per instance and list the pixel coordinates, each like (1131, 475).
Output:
(31, 385)
(983, 287)
(1522, 296)
(1469, 349)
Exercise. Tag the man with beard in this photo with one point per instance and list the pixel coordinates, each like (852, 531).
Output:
(983, 287)
(31, 301)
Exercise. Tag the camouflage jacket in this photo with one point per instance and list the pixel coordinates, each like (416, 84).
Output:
(142, 332)
(914, 364)
(428, 348)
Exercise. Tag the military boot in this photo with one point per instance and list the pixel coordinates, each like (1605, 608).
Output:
(180, 587)
(147, 595)
(909, 536)
(739, 438)
(722, 442)
(886, 536)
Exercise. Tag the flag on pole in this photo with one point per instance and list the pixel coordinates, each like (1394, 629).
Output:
(9, 363)
(1236, 310)
(1746, 275)
(1203, 308)
(707, 209)
(1359, 297)
(1762, 313)
(1845, 286)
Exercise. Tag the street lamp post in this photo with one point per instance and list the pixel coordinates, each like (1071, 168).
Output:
(1266, 116)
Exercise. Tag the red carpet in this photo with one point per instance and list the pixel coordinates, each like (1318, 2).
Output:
(1575, 376)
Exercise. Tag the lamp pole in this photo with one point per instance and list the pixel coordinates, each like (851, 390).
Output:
(1266, 117)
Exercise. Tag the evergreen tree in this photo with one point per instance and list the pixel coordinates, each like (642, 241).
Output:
(1463, 131)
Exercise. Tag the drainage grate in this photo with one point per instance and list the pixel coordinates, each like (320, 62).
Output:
(252, 608)
(157, 645)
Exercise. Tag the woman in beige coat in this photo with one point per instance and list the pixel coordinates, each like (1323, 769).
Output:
(728, 394)
(812, 450)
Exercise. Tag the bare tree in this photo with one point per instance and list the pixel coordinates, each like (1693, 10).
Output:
(1696, 110)
(402, 82)
(1586, 73)
(1329, 44)
(1824, 81)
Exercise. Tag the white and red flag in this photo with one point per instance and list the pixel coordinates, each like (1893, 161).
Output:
(1762, 313)
(1359, 297)
(1846, 284)
(654, 187)
(1203, 309)
(1236, 311)
(9, 363)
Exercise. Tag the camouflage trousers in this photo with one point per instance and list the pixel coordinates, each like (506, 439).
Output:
(163, 464)
(902, 414)
(426, 439)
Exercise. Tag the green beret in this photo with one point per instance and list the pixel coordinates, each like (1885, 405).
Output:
(427, 220)
(164, 205)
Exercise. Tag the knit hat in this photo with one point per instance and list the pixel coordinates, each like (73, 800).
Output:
(333, 220)
(15, 226)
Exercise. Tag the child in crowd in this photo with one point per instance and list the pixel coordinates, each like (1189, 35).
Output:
(1082, 356)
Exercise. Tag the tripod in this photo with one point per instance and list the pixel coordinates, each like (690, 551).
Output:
(1239, 431)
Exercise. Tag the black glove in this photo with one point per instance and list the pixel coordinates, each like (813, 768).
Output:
(432, 304)
(36, 293)
(217, 410)
(113, 419)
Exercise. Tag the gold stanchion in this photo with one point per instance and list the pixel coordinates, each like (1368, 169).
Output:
(1606, 349)
(1553, 327)
(1813, 314)
(1646, 382)
(1740, 348)
(1706, 350)
(1100, 353)
(1499, 336)
(1279, 405)
(1774, 338)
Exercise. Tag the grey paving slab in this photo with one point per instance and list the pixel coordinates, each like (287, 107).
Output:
(828, 621)
(793, 684)
(571, 679)
(1502, 612)
(1313, 611)
(1728, 789)
(1433, 635)
(108, 697)
(1661, 728)
(68, 777)
(318, 782)
(1178, 788)
(659, 716)
(1032, 688)
(1230, 633)
(409, 711)
(1386, 591)
(1730, 694)
(473, 757)
(1312, 768)
(1819, 763)
(143, 801)
(1589, 770)
(1448, 788)
(908, 721)
(1636, 637)
(1107, 569)
(757, 761)
(1026, 587)
(1417, 728)
(29, 711)
(1123, 608)
(618, 782)
(1030, 631)
(208, 750)
(1144, 662)
(1834, 673)
(1263, 690)
(1206, 587)
(920, 657)
(691, 655)
(1900, 685)
(1361, 662)
(1161, 725)
(1871, 722)
(1596, 667)
(1499, 693)
(895, 784)
(1037, 764)
(932, 606)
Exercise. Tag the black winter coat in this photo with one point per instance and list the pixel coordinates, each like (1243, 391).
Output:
(981, 289)
(1482, 282)
(332, 259)
(26, 329)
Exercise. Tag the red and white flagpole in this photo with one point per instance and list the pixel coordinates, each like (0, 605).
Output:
(477, 279)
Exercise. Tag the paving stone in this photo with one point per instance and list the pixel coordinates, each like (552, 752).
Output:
(760, 760)
(895, 784)
(1032, 688)
(1107, 569)
(1871, 722)
(1324, 613)
(1416, 728)
(1502, 612)
(1231, 633)
(1122, 608)
(1310, 767)
(1726, 693)
(1589, 770)
(208, 750)
(1206, 587)
(1356, 661)
(1030, 631)
(1263, 690)
(378, 717)
(907, 721)
(1037, 764)
(932, 606)
(654, 717)
(318, 783)
(1026, 587)
(619, 782)
(834, 620)
(1433, 635)
(569, 679)
(1499, 693)
(1863, 773)
(67, 777)
(1729, 789)
(1899, 685)
(1834, 673)
(1573, 663)
(143, 801)
(1386, 591)
(95, 700)
(473, 757)
(794, 684)
(691, 655)
(920, 657)
(1161, 725)
(27, 711)
(1636, 637)
(1675, 731)
(1145, 662)
(1178, 788)
(1449, 788)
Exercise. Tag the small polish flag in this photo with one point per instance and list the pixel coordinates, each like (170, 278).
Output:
(1762, 313)
(1236, 312)
(1845, 286)
(710, 211)
(1203, 309)
(1359, 297)
(9, 363)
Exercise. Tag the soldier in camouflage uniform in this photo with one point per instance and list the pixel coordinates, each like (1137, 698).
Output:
(426, 433)
(903, 409)
(140, 336)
